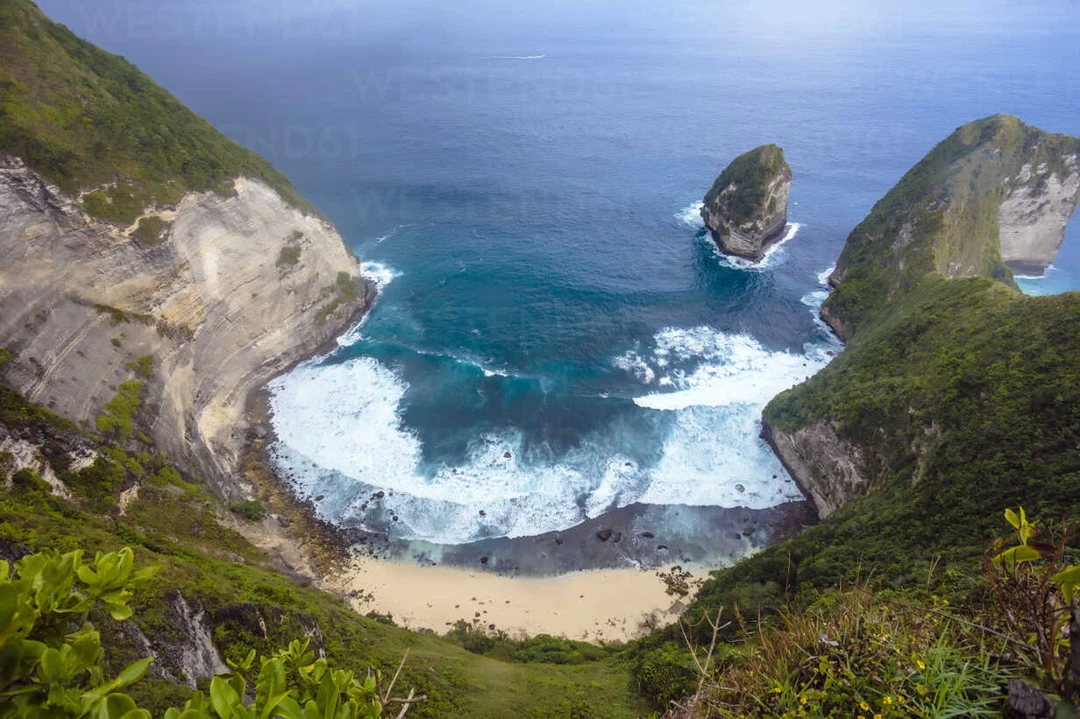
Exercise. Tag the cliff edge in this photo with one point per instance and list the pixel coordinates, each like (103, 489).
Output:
(993, 197)
(746, 208)
(948, 366)
(152, 272)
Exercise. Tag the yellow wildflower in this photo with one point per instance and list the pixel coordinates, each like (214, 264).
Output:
(887, 701)
(900, 699)
(877, 716)
(864, 706)
(778, 689)
(921, 663)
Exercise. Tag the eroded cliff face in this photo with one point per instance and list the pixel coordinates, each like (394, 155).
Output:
(746, 209)
(995, 195)
(1035, 210)
(829, 470)
(235, 290)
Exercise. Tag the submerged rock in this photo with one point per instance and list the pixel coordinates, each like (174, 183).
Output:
(746, 209)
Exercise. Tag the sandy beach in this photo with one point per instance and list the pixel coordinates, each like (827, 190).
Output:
(592, 605)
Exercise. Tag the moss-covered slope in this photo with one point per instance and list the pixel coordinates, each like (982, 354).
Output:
(86, 119)
(943, 216)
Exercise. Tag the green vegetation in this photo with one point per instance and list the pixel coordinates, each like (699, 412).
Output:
(49, 670)
(751, 174)
(172, 525)
(346, 289)
(152, 231)
(87, 119)
(873, 653)
(250, 509)
(118, 417)
(289, 256)
(144, 366)
(5, 356)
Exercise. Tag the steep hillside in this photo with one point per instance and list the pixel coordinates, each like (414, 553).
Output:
(956, 397)
(994, 194)
(130, 228)
(84, 118)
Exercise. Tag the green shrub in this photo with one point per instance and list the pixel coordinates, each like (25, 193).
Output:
(119, 412)
(142, 366)
(289, 256)
(665, 673)
(250, 509)
(152, 231)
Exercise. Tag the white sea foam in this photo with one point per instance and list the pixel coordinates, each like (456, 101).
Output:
(342, 437)
(379, 240)
(380, 274)
(713, 454)
(518, 57)
(634, 364)
(734, 370)
(692, 216)
(824, 275)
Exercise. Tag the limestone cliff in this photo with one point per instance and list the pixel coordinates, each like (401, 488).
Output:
(993, 196)
(953, 383)
(829, 470)
(229, 292)
(746, 208)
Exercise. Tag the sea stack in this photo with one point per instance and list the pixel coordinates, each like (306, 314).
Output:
(746, 209)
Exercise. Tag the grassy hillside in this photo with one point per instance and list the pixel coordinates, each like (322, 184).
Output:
(86, 119)
(173, 524)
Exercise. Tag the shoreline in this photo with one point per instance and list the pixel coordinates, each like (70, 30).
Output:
(611, 578)
(600, 605)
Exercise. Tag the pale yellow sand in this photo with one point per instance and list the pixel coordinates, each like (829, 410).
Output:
(607, 605)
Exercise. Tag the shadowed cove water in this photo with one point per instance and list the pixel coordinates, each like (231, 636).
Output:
(556, 336)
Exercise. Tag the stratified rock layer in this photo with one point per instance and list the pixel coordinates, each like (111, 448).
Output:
(237, 289)
(746, 208)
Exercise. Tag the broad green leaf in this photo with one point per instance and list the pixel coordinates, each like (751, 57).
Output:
(52, 668)
(133, 673)
(270, 683)
(1069, 575)
(288, 708)
(1020, 553)
(1011, 518)
(224, 699)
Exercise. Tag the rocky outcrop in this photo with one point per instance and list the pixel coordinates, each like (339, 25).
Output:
(232, 291)
(992, 198)
(1035, 209)
(829, 470)
(994, 195)
(746, 208)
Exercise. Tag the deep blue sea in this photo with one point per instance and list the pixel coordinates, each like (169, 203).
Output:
(555, 335)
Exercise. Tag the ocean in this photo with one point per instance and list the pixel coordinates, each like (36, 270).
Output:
(556, 336)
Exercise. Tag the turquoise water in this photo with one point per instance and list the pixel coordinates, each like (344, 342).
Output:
(555, 335)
